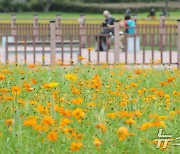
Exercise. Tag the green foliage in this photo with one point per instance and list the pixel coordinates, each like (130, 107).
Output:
(88, 6)
(6, 5)
(20, 7)
(94, 8)
(121, 1)
(134, 97)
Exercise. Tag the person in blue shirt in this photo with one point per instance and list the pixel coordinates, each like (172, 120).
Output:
(129, 25)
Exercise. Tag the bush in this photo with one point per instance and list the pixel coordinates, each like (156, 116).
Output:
(20, 7)
(114, 8)
(35, 6)
(6, 6)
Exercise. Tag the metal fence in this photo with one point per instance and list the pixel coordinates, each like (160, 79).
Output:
(69, 44)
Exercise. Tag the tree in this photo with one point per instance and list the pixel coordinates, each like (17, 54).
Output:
(45, 4)
(6, 5)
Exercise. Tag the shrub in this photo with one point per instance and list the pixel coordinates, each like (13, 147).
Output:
(114, 8)
(20, 7)
(35, 6)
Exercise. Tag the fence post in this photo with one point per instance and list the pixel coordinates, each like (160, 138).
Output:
(35, 27)
(58, 23)
(162, 30)
(13, 25)
(178, 43)
(116, 41)
(53, 42)
(82, 30)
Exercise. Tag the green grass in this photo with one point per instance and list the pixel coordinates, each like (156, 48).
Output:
(125, 93)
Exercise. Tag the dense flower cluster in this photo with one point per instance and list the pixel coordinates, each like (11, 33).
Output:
(87, 108)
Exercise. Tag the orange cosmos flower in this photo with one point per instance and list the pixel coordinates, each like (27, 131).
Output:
(53, 84)
(33, 81)
(177, 111)
(55, 95)
(8, 98)
(79, 136)
(71, 77)
(64, 122)
(138, 113)
(131, 122)
(90, 49)
(46, 86)
(102, 127)
(163, 83)
(123, 133)
(68, 130)
(138, 71)
(21, 101)
(159, 124)
(42, 109)
(95, 82)
(30, 121)
(66, 113)
(6, 71)
(77, 101)
(146, 125)
(31, 65)
(141, 91)
(134, 85)
(9, 122)
(97, 142)
(27, 86)
(52, 136)
(81, 58)
(4, 90)
(75, 146)
(2, 77)
(15, 90)
(111, 115)
(175, 93)
(47, 120)
(170, 79)
(124, 114)
(76, 91)
(123, 104)
(40, 127)
(78, 113)
(32, 102)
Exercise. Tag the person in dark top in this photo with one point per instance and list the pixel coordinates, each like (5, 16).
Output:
(128, 11)
(152, 14)
(108, 28)
(164, 12)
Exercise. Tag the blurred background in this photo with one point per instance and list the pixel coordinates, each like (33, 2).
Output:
(70, 10)
(88, 6)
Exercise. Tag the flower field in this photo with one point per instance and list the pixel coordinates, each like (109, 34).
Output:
(88, 109)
